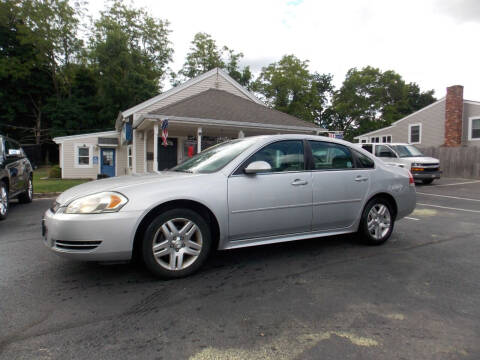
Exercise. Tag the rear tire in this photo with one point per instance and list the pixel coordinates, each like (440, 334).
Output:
(3, 200)
(176, 243)
(27, 196)
(376, 224)
(427, 181)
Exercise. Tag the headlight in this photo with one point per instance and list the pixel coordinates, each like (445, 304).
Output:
(416, 164)
(97, 203)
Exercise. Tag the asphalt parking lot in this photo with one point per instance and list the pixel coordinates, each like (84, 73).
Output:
(416, 297)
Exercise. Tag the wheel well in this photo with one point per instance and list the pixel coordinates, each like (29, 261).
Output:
(199, 208)
(6, 182)
(389, 198)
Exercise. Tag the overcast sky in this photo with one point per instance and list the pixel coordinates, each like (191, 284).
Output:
(434, 43)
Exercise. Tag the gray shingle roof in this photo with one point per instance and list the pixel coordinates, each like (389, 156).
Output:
(222, 105)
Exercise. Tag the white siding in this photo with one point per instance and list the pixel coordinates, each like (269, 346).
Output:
(70, 171)
(122, 160)
(139, 153)
(433, 126)
(212, 82)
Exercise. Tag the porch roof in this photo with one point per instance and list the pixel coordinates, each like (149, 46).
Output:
(220, 106)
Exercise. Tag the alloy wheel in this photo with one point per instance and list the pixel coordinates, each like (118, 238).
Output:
(30, 189)
(3, 201)
(177, 244)
(379, 221)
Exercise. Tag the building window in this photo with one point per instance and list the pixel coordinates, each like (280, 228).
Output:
(387, 139)
(83, 155)
(129, 156)
(414, 133)
(363, 141)
(474, 129)
(375, 139)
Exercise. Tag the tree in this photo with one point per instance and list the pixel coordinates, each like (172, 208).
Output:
(289, 86)
(370, 99)
(26, 70)
(130, 51)
(205, 55)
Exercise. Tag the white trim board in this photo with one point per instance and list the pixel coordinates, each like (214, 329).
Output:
(61, 139)
(226, 123)
(419, 133)
(470, 121)
(187, 84)
(90, 156)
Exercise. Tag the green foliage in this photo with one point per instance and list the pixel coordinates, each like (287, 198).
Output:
(289, 86)
(130, 51)
(370, 99)
(204, 55)
(55, 172)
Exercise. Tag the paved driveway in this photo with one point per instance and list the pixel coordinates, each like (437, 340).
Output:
(416, 297)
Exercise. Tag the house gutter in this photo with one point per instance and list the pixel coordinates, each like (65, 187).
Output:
(224, 123)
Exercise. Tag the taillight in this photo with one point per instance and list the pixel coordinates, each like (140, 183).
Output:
(410, 179)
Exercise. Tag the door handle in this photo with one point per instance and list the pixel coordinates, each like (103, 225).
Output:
(298, 182)
(361, 178)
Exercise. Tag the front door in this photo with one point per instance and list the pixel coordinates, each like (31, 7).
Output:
(107, 166)
(273, 203)
(167, 155)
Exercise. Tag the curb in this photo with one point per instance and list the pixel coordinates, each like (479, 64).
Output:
(46, 195)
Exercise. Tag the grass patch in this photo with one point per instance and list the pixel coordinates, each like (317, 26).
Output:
(52, 185)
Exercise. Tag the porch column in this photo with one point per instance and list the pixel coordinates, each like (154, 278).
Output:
(134, 151)
(145, 136)
(199, 140)
(155, 147)
(241, 134)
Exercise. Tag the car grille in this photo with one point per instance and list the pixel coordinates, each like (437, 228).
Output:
(77, 245)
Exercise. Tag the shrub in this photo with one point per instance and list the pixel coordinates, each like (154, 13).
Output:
(55, 172)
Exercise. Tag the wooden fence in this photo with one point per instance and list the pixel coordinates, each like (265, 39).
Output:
(460, 162)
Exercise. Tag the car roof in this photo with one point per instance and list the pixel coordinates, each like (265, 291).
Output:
(301, 137)
(370, 143)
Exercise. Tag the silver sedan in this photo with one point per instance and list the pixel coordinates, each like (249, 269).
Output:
(245, 192)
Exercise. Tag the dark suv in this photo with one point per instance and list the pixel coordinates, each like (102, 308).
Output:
(16, 175)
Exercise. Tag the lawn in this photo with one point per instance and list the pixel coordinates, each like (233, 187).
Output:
(51, 185)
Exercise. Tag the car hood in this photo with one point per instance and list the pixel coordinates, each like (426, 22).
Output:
(118, 183)
(422, 160)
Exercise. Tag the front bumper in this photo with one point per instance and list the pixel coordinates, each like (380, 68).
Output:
(95, 237)
(422, 175)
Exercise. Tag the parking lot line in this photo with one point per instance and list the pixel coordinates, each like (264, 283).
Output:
(449, 208)
(411, 218)
(461, 183)
(448, 196)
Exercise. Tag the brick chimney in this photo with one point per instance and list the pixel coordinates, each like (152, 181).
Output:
(454, 116)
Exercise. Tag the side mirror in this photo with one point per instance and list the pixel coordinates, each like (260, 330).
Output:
(14, 152)
(258, 167)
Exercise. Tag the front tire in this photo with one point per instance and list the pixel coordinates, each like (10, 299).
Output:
(3, 200)
(377, 222)
(176, 243)
(27, 196)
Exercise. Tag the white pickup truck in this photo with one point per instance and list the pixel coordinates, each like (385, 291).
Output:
(423, 168)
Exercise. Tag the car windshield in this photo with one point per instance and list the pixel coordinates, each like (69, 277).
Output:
(406, 150)
(215, 157)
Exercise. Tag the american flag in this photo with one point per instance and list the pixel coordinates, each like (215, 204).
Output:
(164, 132)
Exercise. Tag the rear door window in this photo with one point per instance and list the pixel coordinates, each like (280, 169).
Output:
(330, 156)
